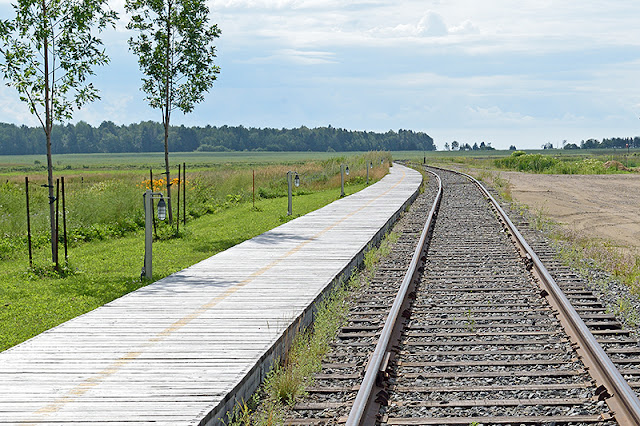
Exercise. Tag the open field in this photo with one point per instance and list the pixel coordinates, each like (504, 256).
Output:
(92, 163)
(480, 156)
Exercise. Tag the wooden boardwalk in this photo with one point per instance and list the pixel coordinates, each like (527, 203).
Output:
(180, 350)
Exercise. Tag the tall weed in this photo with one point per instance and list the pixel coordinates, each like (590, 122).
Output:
(109, 204)
(539, 163)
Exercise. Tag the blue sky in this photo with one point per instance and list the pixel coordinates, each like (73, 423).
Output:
(505, 72)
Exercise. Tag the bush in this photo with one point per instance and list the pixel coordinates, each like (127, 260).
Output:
(522, 162)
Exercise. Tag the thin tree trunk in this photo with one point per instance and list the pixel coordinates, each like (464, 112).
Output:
(167, 112)
(166, 168)
(52, 207)
(47, 131)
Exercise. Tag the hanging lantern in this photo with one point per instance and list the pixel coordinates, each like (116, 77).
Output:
(162, 209)
(347, 170)
(296, 180)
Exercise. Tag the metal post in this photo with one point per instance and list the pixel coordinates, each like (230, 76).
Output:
(179, 185)
(153, 218)
(148, 236)
(26, 184)
(184, 194)
(367, 166)
(342, 180)
(289, 184)
(64, 223)
(57, 241)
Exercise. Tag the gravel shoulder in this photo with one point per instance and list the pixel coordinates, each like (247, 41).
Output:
(601, 206)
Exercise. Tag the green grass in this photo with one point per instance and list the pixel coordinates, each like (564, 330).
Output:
(32, 301)
(582, 251)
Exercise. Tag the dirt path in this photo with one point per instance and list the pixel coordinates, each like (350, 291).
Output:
(604, 206)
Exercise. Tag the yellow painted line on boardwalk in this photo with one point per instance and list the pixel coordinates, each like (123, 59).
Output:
(90, 383)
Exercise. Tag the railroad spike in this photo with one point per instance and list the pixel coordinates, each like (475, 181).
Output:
(382, 397)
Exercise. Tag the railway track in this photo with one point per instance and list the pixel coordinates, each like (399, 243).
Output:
(463, 325)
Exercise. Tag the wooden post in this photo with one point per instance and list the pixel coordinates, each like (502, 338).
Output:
(26, 184)
(64, 224)
(254, 188)
(178, 195)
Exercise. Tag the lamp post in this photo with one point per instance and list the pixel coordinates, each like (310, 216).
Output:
(148, 197)
(296, 182)
(627, 155)
(343, 170)
(370, 167)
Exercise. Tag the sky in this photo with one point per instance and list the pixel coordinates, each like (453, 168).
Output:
(522, 73)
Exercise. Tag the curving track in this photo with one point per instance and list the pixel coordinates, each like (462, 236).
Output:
(481, 337)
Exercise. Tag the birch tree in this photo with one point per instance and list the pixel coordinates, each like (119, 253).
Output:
(48, 51)
(174, 45)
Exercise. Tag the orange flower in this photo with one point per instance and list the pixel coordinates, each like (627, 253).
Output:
(159, 184)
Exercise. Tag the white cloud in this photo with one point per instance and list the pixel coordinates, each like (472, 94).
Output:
(492, 68)
(496, 116)
(307, 57)
(432, 25)
(12, 110)
(294, 56)
(467, 27)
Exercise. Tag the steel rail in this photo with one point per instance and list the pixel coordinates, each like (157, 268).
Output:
(358, 412)
(625, 405)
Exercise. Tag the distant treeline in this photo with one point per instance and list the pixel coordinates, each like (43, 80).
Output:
(147, 136)
(604, 143)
